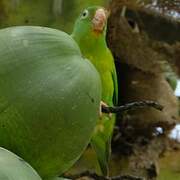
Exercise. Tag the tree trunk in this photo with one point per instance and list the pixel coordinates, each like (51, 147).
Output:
(139, 59)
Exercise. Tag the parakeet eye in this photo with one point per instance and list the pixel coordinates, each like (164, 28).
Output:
(85, 14)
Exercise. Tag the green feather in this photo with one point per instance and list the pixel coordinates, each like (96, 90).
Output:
(93, 46)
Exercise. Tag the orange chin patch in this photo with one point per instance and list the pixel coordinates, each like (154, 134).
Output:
(99, 21)
(97, 32)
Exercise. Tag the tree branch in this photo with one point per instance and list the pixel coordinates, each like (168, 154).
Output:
(93, 176)
(132, 106)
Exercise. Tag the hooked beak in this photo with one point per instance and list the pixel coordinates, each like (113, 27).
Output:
(99, 20)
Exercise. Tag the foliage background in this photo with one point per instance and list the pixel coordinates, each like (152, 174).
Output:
(59, 14)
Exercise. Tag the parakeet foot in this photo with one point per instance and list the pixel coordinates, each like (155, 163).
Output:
(103, 104)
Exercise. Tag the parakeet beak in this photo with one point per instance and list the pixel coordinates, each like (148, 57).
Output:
(99, 20)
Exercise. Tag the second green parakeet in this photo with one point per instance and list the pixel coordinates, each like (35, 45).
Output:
(90, 34)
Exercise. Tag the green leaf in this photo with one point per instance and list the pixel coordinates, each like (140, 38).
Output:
(49, 98)
(13, 167)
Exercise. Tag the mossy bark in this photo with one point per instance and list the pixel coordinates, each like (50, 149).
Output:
(140, 68)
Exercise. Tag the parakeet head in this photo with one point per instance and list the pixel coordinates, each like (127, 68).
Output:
(91, 24)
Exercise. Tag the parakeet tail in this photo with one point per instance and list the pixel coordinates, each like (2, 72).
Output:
(103, 151)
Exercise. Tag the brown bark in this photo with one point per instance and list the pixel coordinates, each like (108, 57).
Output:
(158, 26)
(140, 58)
(159, 31)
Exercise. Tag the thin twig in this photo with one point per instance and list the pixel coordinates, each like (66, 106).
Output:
(132, 106)
(86, 174)
(126, 177)
(94, 176)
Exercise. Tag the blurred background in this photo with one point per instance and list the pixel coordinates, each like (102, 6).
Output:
(59, 14)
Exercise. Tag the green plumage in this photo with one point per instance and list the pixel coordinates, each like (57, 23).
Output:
(93, 46)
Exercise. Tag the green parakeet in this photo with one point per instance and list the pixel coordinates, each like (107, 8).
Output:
(90, 34)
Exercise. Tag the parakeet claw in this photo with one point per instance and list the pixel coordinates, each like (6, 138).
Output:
(100, 111)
